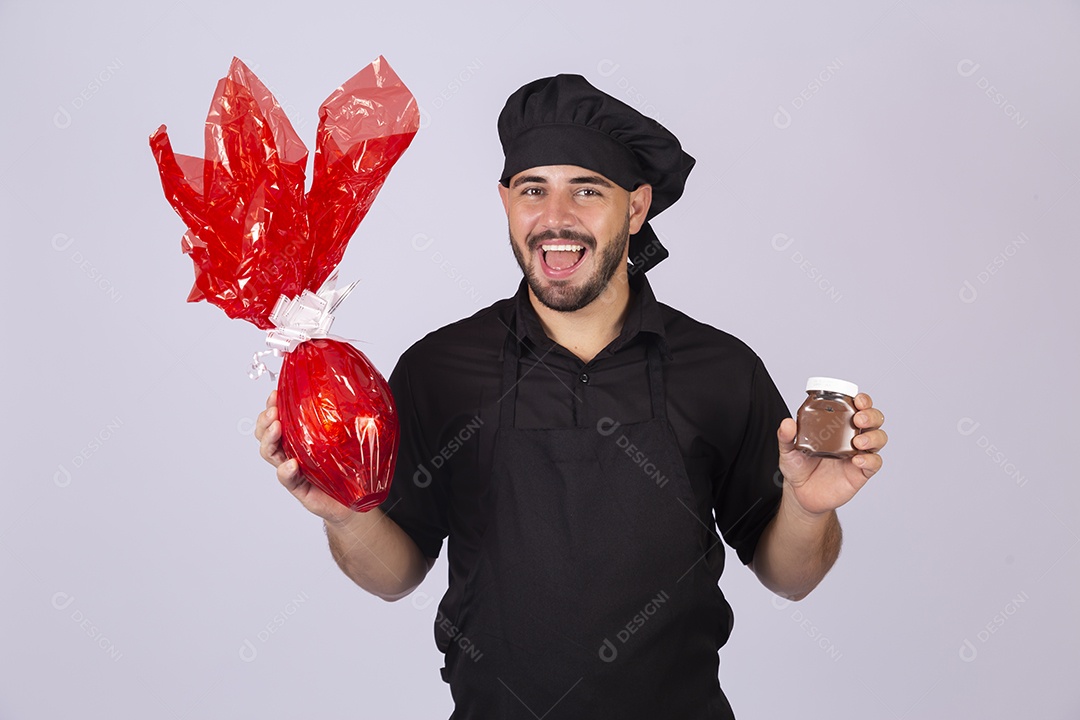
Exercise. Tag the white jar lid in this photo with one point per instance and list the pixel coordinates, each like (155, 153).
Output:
(832, 385)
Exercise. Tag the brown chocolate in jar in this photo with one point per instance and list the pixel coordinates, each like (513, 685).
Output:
(826, 423)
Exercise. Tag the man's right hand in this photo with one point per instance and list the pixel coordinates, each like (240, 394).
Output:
(369, 547)
(268, 433)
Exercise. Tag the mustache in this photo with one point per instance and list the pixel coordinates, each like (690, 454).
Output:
(546, 236)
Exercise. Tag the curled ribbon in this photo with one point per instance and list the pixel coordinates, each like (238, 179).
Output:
(258, 367)
(300, 319)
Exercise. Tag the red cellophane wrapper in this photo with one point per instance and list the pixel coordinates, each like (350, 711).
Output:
(334, 398)
(254, 236)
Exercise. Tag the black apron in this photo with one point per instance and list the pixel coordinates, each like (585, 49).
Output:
(591, 596)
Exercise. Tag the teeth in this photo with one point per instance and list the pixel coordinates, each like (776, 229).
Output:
(549, 248)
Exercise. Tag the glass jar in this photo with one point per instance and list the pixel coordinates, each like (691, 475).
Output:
(826, 420)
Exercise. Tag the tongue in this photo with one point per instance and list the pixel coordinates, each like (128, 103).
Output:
(560, 259)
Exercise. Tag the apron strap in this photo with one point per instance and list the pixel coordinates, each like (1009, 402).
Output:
(508, 394)
(512, 357)
(656, 381)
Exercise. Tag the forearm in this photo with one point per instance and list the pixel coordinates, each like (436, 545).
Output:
(796, 549)
(376, 554)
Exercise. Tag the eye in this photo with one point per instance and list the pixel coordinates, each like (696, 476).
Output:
(588, 192)
(533, 191)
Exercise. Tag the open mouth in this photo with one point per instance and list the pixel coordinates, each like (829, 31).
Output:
(561, 259)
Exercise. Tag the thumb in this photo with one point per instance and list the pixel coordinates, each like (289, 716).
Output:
(290, 476)
(785, 435)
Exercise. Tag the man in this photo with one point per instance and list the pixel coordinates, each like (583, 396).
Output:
(580, 444)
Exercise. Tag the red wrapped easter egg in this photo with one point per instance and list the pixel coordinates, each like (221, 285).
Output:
(261, 245)
(339, 421)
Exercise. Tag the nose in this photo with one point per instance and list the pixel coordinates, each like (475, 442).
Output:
(559, 212)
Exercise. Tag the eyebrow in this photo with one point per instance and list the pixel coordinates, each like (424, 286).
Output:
(590, 180)
(583, 180)
(528, 179)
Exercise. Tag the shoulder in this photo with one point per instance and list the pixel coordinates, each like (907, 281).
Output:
(711, 371)
(719, 390)
(462, 344)
(694, 342)
(451, 374)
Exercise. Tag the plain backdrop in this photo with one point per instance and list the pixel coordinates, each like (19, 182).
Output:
(886, 191)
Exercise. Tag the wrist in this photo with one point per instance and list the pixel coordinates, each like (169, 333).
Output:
(794, 510)
(337, 523)
(351, 522)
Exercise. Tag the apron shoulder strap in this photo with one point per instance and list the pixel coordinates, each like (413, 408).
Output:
(656, 381)
(508, 392)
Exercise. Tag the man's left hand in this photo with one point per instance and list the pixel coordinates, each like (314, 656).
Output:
(822, 484)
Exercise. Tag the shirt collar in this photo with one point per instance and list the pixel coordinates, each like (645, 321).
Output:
(644, 316)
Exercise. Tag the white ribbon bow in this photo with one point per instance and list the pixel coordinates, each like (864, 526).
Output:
(300, 319)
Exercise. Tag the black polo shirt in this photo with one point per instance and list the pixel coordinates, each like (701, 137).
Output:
(721, 402)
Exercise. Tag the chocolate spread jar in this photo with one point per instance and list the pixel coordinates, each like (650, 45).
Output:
(826, 419)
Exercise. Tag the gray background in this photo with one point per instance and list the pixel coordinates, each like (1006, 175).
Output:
(886, 191)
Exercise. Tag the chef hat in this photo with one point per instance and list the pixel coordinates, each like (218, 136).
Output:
(563, 120)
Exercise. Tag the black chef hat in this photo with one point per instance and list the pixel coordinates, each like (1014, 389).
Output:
(563, 120)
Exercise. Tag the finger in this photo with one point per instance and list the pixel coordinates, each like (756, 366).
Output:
(869, 417)
(271, 399)
(288, 474)
(270, 448)
(863, 401)
(785, 435)
(869, 463)
(870, 441)
(263, 421)
(272, 455)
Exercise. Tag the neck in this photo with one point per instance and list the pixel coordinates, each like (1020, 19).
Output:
(587, 331)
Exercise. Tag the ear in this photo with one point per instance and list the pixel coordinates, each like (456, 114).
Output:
(640, 201)
(504, 193)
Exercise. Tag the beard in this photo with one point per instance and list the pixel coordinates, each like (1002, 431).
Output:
(564, 295)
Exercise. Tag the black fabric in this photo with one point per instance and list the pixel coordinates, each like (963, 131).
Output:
(647, 616)
(564, 120)
(722, 405)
